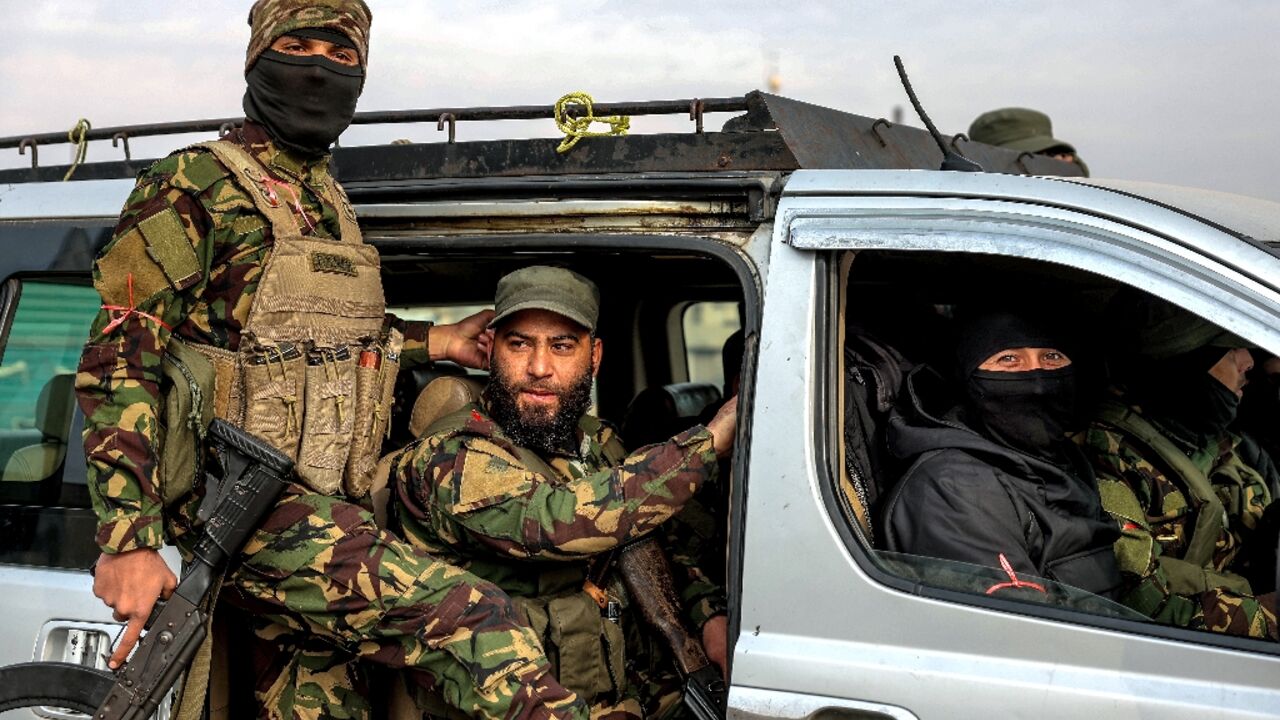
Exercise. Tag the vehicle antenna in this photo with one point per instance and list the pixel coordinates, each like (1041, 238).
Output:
(951, 160)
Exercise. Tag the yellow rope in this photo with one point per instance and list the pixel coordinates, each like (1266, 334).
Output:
(576, 128)
(79, 136)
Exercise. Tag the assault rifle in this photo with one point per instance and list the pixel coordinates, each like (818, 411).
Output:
(250, 477)
(647, 575)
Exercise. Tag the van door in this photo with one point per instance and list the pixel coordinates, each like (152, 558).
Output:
(831, 626)
(47, 526)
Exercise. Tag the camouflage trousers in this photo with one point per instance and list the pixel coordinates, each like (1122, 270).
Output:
(322, 571)
(1233, 614)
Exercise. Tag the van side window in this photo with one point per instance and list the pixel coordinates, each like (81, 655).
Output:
(706, 326)
(43, 490)
(903, 416)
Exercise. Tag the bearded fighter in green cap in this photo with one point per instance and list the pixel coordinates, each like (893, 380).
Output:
(529, 490)
(244, 255)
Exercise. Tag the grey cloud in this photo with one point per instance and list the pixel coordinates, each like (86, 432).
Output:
(1178, 91)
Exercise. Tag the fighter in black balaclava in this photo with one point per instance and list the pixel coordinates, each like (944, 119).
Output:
(992, 477)
(1183, 393)
(1182, 370)
(1023, 402)
(305, 101)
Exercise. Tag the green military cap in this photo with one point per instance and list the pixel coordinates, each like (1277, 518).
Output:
(1160, 330)
(540, 287)
(1021, 129)
(271, 19)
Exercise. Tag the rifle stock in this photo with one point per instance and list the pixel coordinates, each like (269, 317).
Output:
(647, 575)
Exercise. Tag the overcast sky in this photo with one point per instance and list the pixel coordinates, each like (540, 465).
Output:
(1177, 91)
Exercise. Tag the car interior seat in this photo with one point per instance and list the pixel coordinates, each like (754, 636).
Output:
(442, 396)
(410, 383)
(661, 412)
(56, 405)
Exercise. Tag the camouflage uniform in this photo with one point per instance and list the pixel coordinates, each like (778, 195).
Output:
(467, 489)
(318, 565)
(1159, 514)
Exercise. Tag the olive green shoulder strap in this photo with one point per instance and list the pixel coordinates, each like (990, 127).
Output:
(1210, 515)
(452, 423)
(612, 448)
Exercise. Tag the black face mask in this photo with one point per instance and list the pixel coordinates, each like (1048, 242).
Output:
(305, 102)
(1028, 411)
(1181, 389)
(1203, 405)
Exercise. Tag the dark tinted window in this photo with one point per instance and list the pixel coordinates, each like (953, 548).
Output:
(44, 498)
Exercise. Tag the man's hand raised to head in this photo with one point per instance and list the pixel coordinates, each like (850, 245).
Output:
(130, 583)
(724, 426)
(465, 342)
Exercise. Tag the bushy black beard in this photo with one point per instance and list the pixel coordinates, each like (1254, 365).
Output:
(540, 432)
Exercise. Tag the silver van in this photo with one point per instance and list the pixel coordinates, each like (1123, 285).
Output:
(795, 225)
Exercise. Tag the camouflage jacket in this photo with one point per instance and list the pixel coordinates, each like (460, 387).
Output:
(467, 493)
(192, 196)
(1157, 513)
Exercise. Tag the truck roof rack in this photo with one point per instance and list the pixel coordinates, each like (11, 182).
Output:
(773, 133)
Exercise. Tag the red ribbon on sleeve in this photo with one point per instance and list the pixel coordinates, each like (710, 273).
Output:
(126, 312)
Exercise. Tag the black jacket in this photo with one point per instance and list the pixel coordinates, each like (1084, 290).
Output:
(970, 499)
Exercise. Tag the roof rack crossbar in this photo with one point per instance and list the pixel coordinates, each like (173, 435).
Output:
(388, 117)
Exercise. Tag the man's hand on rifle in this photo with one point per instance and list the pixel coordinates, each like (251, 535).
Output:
(715, 642)
(130, 583)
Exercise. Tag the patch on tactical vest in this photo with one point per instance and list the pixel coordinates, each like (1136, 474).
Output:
(331, 263)
(169, 247)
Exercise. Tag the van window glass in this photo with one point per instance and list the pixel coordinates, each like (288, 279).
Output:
(706, 326)
(923, 471)
(37, 374)
(438, 314)
(43, 490)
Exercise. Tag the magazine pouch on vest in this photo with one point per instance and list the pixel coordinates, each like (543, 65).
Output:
(375, 378)
(186, 391)
(301, 378)
(585, 647)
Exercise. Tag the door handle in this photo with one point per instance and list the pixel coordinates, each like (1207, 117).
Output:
(747, 703)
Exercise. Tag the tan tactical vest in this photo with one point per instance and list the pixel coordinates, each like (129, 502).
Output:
(314, 373)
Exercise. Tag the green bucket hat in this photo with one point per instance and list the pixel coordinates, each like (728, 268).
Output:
(271, 19)
(1159, 330)
(541, 287)
(1021, 129)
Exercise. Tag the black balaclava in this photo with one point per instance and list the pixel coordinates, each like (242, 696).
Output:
(1181, 389)
(1260, 407)
(305, 102)
(1029, 411)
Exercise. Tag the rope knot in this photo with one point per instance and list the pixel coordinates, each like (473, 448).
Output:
(576, 128)
(79, 134)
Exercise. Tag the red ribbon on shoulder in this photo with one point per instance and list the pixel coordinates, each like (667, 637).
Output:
(1014, 582)
(127, 312)
(271, 185)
